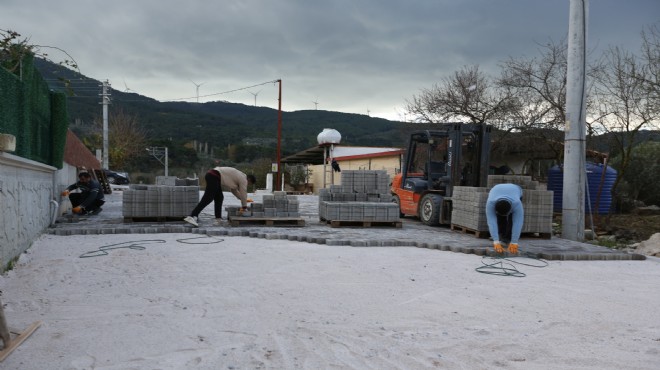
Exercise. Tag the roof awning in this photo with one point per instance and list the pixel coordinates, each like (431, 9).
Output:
(314, 155)
(308, 156)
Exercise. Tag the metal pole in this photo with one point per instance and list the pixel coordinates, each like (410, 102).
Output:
(325, 166)
(279, 135)
(105, 100)
(166, 162)
(573, 197)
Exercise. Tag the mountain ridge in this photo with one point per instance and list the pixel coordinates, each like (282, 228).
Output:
(220, 123)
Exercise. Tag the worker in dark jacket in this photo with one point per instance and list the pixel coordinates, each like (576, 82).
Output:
(89, 199)
(505, 215)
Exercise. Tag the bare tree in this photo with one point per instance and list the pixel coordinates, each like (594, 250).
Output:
(626, 101)
(467, 96)
(651, 58)
(539, 85)
(126, 138)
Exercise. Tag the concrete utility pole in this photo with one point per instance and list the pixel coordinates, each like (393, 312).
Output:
(573, 198)
(105, 100)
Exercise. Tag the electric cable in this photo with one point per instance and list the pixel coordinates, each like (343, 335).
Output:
(505, 265)
(134, 245)
(213, 240)
(103, 250)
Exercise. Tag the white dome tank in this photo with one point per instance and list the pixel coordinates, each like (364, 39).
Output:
(329, 136)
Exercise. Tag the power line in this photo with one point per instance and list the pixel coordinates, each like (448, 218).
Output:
(224, 92)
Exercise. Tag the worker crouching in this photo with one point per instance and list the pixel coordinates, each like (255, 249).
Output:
(89, 199)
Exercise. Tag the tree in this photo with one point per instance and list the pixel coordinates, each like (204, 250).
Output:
(539, 85)
(467, 96)
(126, 138)
(641, 181)
(13, 49)
(625, 103)
(650, 56)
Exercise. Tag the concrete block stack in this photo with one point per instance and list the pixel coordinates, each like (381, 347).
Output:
(149, 201)
(362, 196)
(469, 208)
(276, 205)
(469, 205)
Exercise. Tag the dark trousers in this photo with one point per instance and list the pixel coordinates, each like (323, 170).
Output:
(212, 193)
(78, 198)
(504, 226)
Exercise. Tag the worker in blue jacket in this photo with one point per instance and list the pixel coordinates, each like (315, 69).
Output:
(505, 215)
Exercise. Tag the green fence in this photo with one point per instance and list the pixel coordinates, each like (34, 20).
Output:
(34, 114)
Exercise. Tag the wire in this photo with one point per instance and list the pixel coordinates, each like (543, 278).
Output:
(224, 92)
(505, 266)
(103, 251)
(213, 240)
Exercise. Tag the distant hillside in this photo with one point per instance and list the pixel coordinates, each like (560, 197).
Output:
(219, 123)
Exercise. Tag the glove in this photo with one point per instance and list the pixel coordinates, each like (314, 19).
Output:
(498, 247)
(513, 248)
(65, 193)
(78, 209)
(249, 200)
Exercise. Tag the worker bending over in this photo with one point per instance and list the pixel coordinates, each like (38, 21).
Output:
(231, 178)
(505, 215)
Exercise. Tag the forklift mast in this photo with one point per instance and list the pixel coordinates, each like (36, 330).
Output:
(456, 155)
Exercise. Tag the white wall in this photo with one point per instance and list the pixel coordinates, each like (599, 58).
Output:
(26, 190)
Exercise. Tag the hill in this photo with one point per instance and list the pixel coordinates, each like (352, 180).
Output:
(218, 123)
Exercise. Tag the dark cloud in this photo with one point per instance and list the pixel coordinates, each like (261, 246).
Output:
(350, 56)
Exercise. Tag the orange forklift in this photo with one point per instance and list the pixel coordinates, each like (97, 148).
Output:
(456, 154)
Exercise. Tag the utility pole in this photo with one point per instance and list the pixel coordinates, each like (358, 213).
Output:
(279, 137)
(105, 100)
(574, 142)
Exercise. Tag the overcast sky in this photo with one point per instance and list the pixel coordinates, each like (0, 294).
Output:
(354, 56)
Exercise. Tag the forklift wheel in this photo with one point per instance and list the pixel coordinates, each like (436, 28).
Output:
(430, 208)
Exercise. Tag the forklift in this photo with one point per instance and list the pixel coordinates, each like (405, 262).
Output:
(456, 154)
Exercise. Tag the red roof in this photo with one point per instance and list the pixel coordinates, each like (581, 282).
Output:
(77, 154)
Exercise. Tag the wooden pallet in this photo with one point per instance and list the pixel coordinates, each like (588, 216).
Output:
(17, 337)
(485, 234)
(341, 223)
(268, 221)
(153, 219)
(466, 230)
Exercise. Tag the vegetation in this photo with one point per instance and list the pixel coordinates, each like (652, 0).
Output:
(529, 97)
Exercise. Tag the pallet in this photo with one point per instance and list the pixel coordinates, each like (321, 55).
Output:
(466, 230)
(153, 219)
(340, 223)
(268, 221)
(485, 234)
(17, 337)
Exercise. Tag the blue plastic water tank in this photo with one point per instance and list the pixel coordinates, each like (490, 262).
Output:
(594, 178)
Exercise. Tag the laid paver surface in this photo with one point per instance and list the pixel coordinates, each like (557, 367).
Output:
(412, 233)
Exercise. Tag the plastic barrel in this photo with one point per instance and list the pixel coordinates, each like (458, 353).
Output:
(594, 179)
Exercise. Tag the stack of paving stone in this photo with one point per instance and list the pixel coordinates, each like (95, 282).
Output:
(469, 205)
(363, 196)
(276, 205)
(159, 201)
(175, 181)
